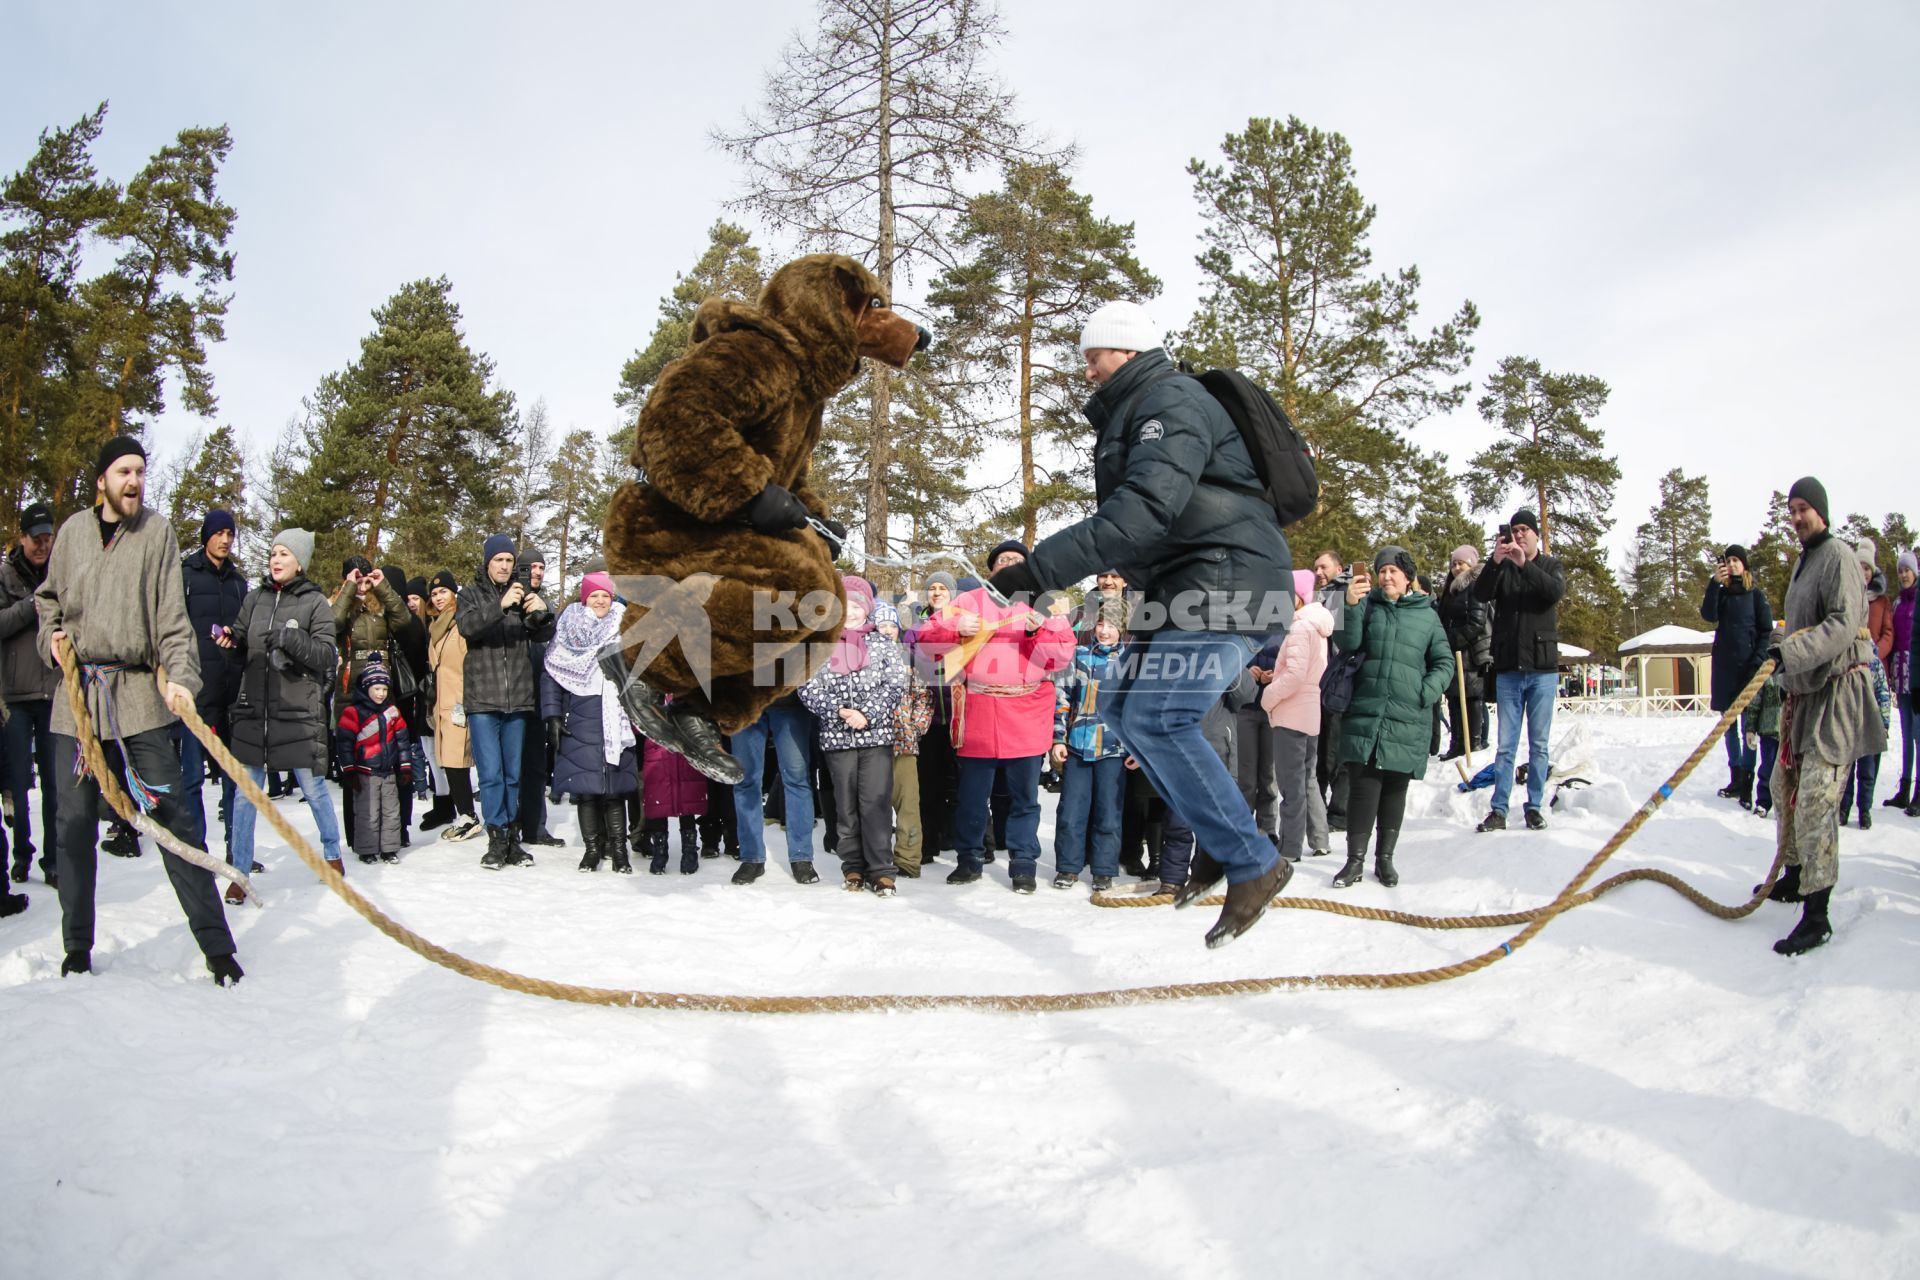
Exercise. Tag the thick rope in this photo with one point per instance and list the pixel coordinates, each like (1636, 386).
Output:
(1537, 920)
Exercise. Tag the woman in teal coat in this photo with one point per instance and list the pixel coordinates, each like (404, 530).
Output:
(1385, 732)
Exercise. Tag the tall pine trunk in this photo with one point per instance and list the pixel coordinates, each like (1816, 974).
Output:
(878, 440)
(1030, 526)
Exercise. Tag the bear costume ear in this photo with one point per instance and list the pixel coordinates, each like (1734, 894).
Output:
(854, 286)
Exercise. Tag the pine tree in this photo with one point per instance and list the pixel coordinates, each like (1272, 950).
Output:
(210, 472)
(528, 478)
(1037, 262)
(1292, 301)
(730, 268)
(47, 209)
(583, 477)
(1673, 552)
(1774, 552)
(861, 145)
(1890, 537)
(408, 448)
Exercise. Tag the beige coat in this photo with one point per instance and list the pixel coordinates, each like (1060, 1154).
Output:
(447, 655)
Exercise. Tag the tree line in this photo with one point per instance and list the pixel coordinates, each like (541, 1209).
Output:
(883, 133)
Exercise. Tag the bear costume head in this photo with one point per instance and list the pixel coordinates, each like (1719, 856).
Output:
(740, 411)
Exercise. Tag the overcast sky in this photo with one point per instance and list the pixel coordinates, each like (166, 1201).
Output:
(1711, 206)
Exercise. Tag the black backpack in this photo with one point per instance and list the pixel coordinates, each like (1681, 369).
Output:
(1282, 458)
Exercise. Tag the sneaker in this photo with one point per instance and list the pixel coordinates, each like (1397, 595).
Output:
(963, 875)
(1065, 881)
(369, 858)
(389, 858)
(1536, 820)
(236, 896)
(1023, 884)
(463, 827)
(1494, 821)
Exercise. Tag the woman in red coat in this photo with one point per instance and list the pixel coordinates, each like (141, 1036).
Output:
(671, 788)
(1002, 714)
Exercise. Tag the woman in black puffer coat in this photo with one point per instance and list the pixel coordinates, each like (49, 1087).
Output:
(1742, 621)
(595, 759)
(1468, 621)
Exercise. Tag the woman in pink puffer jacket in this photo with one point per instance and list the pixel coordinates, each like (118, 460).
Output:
(1292, 703)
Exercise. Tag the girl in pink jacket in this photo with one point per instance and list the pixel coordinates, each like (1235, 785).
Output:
(1292, 703)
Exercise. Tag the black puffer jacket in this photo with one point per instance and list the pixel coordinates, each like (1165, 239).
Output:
(1741, 620)
(1526, 612)
(499, 670)
(284, 639)
(1467, 619)
(1181, 511)
(214, 596)
(581, 768)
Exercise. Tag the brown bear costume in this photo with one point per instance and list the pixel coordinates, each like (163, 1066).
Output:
(722, 502)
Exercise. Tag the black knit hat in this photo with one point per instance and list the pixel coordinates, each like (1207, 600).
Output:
(114, 450)
(1735, 551)
(1399, 557)
(1525, 516)
(1813, 493)
(417, 587)
(217, 521)
(396, 576)
(444, 578)
(1011, 544)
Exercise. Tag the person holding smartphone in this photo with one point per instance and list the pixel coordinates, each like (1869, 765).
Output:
(498, 616)
(1524, 585)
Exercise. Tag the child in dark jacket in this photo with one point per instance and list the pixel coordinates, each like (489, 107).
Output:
(377, 757)
(1091, 761)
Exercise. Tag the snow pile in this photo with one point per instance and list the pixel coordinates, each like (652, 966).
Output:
(1642, 1088)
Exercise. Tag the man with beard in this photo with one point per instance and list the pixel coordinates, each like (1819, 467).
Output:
(113, 591)
(27, 687)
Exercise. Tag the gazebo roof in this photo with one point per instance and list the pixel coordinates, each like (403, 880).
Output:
(1669, 639)
(1573, 651)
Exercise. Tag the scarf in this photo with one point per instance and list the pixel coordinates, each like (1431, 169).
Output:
(850, 650)
(573, 660)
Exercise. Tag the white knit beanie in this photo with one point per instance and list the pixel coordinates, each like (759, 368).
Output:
(1120, 326)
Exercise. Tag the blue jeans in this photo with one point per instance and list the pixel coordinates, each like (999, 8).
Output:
(792, 731)
(1861, 776)
(971, 811)
(193, 772)
(1739, 754)
(319, 799)
(26, 746)
(1166, 684)
(1089, 814)
(1769, 752)
(497, 740)
(1528, 693)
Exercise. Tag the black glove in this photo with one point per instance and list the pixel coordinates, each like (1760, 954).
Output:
(835, 536)
(1015, 579)
(554, 727)
(776, 511)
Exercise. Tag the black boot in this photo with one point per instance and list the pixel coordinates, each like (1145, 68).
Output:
(517, 855)
(702, 747)
(657, 851)
(1899, 799)
(1246, 903)
(1813, 929)
(1156, 843)
(689, 847)
(1353, 873)
(1204, 874)
(1383, 870)
(1786, 888)
(803, 872)
(1746, 789)
(496, 855)
(646, 707)
(748, 872)
(613, 836)
(12, 904)
(592, 831)
(1732, 788)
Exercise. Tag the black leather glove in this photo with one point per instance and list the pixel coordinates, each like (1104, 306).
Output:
(835, 536)
(1015, 579)
(554, 727)
(776, 511)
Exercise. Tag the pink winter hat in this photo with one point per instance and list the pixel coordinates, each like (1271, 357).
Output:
(1303, 584)
(860, 588)
(596, 582)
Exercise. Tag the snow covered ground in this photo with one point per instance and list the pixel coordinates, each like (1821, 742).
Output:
(1643, 1090)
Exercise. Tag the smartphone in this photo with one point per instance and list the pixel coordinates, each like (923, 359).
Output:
(1506, 533)
(1356, 570)
(523, 574)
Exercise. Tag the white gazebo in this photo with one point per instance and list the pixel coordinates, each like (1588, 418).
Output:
(1673, 667)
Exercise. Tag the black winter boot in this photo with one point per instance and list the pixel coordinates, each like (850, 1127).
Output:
(1746, 789)
(517, 855)
(689, 847)
(748, 872)
(592, 831)
(613, 836)
(1383, 870)
(496, 855)
(657, 851)
(1899, 799)
(1246, 903)
(1786, 888)
(1202, 876)
(1352, 873)
(1813, 929)
(1732, 788)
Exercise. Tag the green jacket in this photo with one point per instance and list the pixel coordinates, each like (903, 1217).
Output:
(1407, 670)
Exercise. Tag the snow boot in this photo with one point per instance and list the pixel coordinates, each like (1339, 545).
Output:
(76, 962)
(439, 815)
(1023, 884)
(881, 886)
(517, 855)
(496, 855)
(1383, 869)
(748, 872)
(226, 970)
(1201, 876)
(368, 859)
(1536, 820)
(1065, 881)
(1246, 903)
(1352, 873)
(1899, 799)
(12, 904)
(1102, 883)
(803, 872)
(592, 831)
(1494, 821)
(1786, 888)
(1813, 930)
(689, 847)
(613, 833)
(1746, 789)
(657, 852)
(963, 874)
(853, 881)
(122, 842)
(1732, 788)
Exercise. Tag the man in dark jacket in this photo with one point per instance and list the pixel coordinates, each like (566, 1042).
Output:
(1181, 513)
(498, 616)
(1469, 626)
(27, 688)
(536, 756)
(215, 587)
(1524, 585)
(1742, 620)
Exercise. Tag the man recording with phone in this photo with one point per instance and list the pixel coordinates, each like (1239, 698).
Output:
(498, 618)
(1524, 585)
